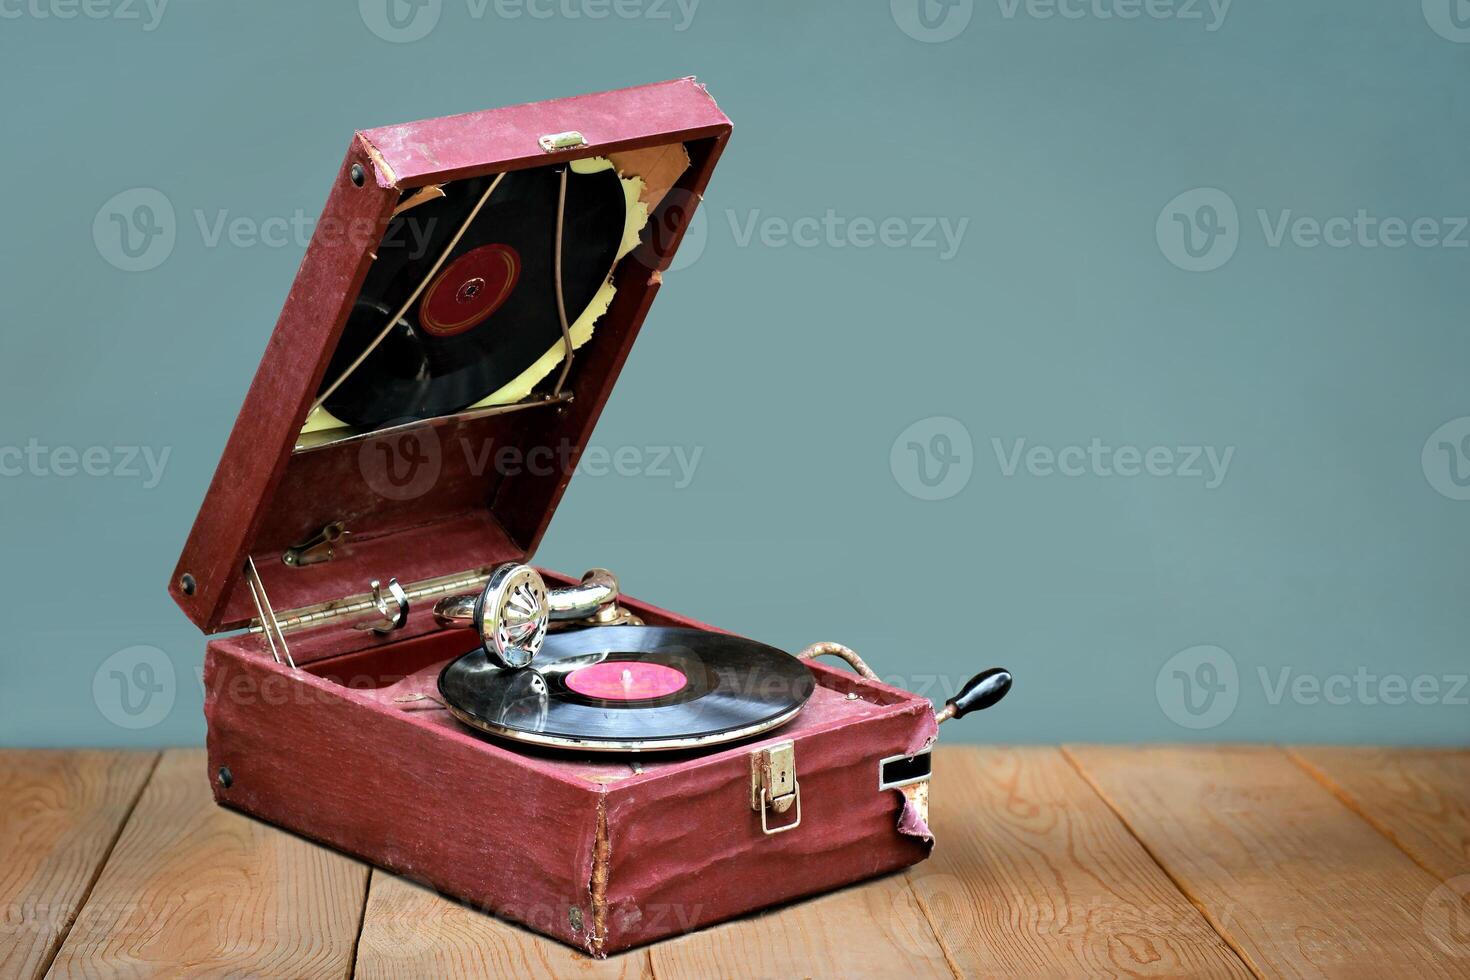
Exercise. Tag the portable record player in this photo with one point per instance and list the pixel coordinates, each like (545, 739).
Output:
(400, 684)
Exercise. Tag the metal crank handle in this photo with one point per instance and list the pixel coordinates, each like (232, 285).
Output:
(982, 691)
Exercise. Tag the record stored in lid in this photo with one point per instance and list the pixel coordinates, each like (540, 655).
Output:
(463, 309)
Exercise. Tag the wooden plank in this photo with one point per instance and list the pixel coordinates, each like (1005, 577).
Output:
(410, 931)
(1299, 884)
(872, 930)
(1034, 876)
(192, 889)
(60, 813)
(1418, 798)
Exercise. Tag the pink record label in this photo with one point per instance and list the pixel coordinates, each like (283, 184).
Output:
(615, 680)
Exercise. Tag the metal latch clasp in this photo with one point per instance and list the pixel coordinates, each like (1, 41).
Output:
(773, 784)
(571, 139)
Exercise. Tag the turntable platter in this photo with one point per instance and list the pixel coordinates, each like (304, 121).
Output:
(631, 689)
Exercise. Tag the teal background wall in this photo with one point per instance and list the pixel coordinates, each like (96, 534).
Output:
(1007, 338)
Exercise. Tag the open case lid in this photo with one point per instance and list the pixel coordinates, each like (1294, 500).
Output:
(434, 498)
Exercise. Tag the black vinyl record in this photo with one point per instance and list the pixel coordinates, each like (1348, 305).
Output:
(631, 688)
(489, 312)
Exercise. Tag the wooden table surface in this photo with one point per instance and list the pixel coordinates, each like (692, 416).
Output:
(1071, 862)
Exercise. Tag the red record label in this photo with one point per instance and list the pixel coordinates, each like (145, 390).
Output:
(626, 680)
(471, 288)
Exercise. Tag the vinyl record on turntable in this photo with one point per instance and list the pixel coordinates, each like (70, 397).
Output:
(488, 312)
(631, 689)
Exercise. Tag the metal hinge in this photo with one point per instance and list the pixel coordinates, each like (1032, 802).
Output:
(380, 610)
(372, 604)
(773, 784)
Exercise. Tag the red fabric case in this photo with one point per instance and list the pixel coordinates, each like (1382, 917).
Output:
(581, 849)
(589, 851)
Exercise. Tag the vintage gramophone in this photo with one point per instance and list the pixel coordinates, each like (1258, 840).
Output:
(543, 747)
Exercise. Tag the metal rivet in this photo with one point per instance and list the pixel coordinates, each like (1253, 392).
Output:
(187, 585)
(226, 779)
(358, 174)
